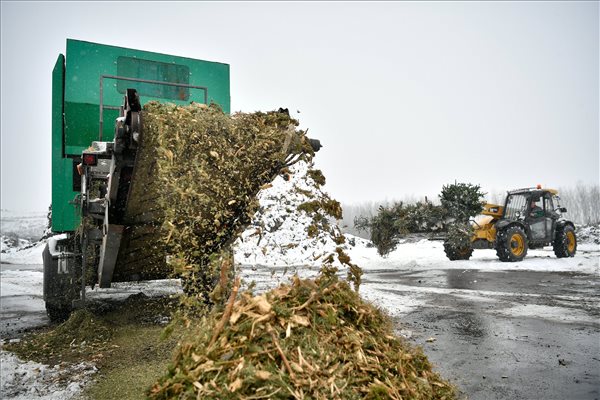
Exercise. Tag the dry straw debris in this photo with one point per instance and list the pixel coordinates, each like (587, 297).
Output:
(308, 340)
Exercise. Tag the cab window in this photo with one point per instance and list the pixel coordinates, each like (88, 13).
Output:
(153, 71)
(548, 204)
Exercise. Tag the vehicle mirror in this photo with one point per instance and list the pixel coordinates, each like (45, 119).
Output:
(563, 209)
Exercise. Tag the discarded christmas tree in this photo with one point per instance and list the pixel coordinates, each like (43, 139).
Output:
(459, 203)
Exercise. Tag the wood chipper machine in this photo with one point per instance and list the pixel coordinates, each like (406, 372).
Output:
(97, 93)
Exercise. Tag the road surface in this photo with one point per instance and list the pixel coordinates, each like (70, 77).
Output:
(504, 335)
(497, 334)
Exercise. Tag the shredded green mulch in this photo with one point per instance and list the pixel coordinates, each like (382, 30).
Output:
(311, 339)
(204, 170)
(77, 339)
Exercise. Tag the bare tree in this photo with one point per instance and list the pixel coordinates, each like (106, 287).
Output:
(582, 202)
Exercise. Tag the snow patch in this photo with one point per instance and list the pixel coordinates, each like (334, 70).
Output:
(25, 225)
(25, 253)
(395, 304)
(278, 234)
(426, 254)
(588, 234)
(28, 380)
(553, 313)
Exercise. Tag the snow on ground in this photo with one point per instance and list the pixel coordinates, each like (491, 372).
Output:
(278, 234)
(21, 380)
(26, 225)
(21, 303)
(20, 235)
(426, 254)
(20, 283)
(588, 234)
(24, 253)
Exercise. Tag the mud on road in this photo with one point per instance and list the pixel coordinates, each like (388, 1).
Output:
(503, 334)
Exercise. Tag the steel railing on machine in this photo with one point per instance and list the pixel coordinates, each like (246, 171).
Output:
(124, 78)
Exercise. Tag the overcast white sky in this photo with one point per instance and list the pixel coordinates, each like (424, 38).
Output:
(405, 97)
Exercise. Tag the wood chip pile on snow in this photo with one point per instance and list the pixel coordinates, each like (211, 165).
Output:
(308, 340)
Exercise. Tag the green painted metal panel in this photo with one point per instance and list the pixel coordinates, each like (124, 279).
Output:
(154, 71)
(65, 217)
(76, 103)
(87, 62)
(82, 125)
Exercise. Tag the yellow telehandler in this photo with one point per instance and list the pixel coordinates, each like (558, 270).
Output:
(530, 218)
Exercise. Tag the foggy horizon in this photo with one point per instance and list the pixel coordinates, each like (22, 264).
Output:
(405, 97)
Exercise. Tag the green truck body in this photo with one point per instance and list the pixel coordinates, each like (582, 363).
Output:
(92, 74)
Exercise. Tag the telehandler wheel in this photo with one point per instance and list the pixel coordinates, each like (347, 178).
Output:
(59, 289)
(453, 253)
(565, 242)
(511, 244)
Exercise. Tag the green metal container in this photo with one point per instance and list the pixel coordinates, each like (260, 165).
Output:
(87, 89)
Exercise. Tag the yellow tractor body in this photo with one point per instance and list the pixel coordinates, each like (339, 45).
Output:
(485, 226)
(529, 218)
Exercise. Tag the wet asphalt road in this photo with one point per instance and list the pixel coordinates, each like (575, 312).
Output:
(21, 301)
(495, 334)
(507, 334)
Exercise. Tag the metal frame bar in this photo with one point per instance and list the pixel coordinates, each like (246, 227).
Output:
(125, 78)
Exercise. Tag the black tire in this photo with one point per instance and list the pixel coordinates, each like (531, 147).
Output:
(511, 244)
(565, 241)
(59, 289)
(453, 253)
(58, 312)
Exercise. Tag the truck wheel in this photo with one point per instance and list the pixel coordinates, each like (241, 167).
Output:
(59, 289)
(453, 253)
(511, 244)
(565, 242)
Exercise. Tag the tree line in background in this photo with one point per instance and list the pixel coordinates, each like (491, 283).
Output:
(582, 202)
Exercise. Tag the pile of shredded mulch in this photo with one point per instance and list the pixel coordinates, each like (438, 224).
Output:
(83, 333)
(311, 339)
